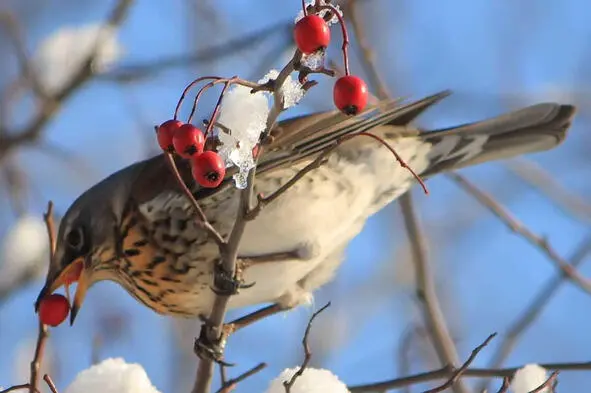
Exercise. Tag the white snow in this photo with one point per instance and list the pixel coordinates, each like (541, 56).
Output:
(314, 61)
(313, 380)
(245, 114)
(528, 378)
(291, 88)
(25, 246)
(332, 21)
(112, 376)
(62, 53)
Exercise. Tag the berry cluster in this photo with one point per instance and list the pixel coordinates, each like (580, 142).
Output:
(312, 35)
(188, 141)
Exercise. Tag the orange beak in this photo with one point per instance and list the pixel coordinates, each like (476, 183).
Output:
(73, 273)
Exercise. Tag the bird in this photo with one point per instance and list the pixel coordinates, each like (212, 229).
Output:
(138, 229)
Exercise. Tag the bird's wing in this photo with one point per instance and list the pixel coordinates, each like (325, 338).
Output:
(295, 140)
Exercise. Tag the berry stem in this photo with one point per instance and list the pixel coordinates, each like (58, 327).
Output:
(345, 45)
(200, 93)
(304, 8)
(186, 90)
(216, 110)
(398, 158)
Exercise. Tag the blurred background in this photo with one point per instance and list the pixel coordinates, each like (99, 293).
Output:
(82, 83)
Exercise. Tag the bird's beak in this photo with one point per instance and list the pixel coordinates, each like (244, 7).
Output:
(72, 273)
(81, 288)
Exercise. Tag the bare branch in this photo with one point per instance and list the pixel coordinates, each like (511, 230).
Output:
(446, 372)
(425, 290)
(228, 386)
(458, 373)
(50, 105)
(307, 353)
(535, 308)
(520, 229)
(538, 178)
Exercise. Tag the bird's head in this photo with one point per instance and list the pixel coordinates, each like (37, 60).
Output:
(86, 241)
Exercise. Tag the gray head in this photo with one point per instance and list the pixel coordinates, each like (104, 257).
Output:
(88, 227)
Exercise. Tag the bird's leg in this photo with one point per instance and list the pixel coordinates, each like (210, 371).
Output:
(205, 348)
(227, 285)
(256, 316)
(246, 262)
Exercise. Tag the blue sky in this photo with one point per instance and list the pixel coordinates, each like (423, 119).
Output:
(494, 55)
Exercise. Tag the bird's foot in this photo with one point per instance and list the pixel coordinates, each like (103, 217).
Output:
(208, 349)
(226, 284)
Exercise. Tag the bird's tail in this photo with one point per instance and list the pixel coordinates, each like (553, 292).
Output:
(535, 128)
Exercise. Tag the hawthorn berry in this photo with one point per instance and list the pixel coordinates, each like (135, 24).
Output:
(350, 94)
(311, 33)
(165, 133)
(53, 309)
(208, 169)
(188, 140)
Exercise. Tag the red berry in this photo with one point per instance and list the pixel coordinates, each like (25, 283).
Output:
(311, 33)
(350, 94)
(53, 309)
(188, 140)
(208, 169)
(165, 133)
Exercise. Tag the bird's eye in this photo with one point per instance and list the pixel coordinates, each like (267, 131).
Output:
(75, 238)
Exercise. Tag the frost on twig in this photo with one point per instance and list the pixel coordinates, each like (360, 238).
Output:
(243, 118)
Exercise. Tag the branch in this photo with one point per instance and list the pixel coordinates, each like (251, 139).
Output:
(307, 353)
(458, 373)
(230, 48)
(535, 308)
(50, 105)
(432, 313)
(27, 69)
(228, 386)
(538, 178)
(514, 225)
(446, 372)
(425, 291)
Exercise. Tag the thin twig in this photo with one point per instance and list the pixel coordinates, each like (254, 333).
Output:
(133, 72)
(20, 387)
(26, 65)
(505, 386)
(534, 309)
(458, 373)
(367, 54)
(425, 290)
(538, 178)
(50, 383)
(43, 333)
(231, 384)
(307, 353)
(50, 106)
(549, 381)
(202, 219)
(432, 313)
(520, 229)
(446, 372)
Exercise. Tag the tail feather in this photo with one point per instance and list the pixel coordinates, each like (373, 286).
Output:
(532, 129)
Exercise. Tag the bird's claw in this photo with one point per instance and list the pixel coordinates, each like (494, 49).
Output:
(225, 284)
(207, 349)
